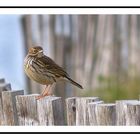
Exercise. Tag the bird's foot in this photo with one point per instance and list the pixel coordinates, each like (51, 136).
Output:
(39, 97)
(43, 95)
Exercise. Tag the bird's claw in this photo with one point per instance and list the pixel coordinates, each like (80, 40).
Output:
(43, 95)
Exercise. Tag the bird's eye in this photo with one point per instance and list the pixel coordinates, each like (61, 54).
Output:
(34, 51)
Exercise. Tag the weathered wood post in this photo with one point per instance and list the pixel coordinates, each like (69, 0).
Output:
(50, 111)
(71, 110)
(9, 106)
(105, 114)
(121, 111)
(92, 112)
(2, 80)
(132, 111)
(3, 87)
(27, 109)
(82, 117)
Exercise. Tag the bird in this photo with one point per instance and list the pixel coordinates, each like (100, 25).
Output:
(44, 70)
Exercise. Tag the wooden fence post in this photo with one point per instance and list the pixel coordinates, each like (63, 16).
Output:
(81, 109)
(132, 111)
(2, 80)
(120, 111)
(9, 106)
(92, 112)
(3, 87)
(50, 111)
(27, 109)
(105, 114)
(71, 110)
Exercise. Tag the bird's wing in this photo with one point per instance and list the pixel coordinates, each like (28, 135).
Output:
(52, 67)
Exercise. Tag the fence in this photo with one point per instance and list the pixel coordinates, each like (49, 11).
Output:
(19, 109)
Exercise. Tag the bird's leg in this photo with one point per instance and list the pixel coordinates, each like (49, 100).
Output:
(44, 93)
(47, 93)
(44, 90)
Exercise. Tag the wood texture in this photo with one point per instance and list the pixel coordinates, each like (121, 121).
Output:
(92, 112)
(3, 87)
(71, 110)
(105, 114)
(120, 111)
(132, 111)
(9, 106)
(50, 111)
(27, 109)
(81, 109)
(19, 109)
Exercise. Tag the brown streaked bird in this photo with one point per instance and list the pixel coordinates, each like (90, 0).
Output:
(44, 70)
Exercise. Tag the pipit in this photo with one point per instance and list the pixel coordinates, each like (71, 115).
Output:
(44, 70)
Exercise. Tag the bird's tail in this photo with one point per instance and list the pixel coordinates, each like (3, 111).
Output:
(74, 83)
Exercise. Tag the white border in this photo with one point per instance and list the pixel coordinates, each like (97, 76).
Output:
(69, 128)
(70, 137)
(69, 2)
(70, 11)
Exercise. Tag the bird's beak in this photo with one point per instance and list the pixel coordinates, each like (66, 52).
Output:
(41, 51)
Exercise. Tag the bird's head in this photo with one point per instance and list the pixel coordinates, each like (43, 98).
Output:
(36, 51)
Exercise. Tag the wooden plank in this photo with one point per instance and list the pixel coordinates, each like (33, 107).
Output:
(9, 106)
(92, 112)
(105, 114)
(132, 111)
(120, 111)
(2, 80)
(3, 87)
(50, 111)
(27, 109)
(71, 110)
(81, 109)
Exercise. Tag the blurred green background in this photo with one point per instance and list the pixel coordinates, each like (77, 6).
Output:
(101, 52)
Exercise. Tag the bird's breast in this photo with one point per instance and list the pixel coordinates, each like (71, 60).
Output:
(36, 73)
